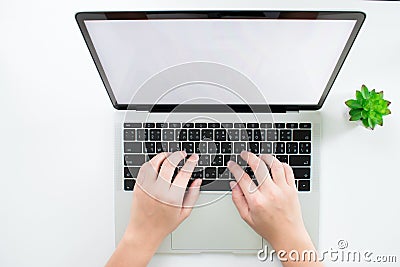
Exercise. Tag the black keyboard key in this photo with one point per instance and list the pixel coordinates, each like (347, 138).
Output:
(244, 135)
(292, 125)
(150, 156)
(149, 147)
(132, 147)
(161, 125)
(132, 125)
(303, 185)
(134, 160)
(198, 172)
(210, 173)
(204, 160)
(238, 147)
(305, 147)
(168, 135)
(253, 125)
(272, 135)
(223, 173)
(241, 162)
(228, 158)
(214, 148)
(249, 172)
(142, 134)
(129, 184)
(207, 135)
(215, 185)
(282, 158)
(292, 148)
(302, 173)
(174, 146)
(263, 136)
(155, 135)
(194, 135)
(188, 147)
(161, 147)
(214, 125)
(239, 125)
(227, 125)
(201, 147)
(181, 135)
(217, 160)
(266, 125)
(297, 160)
(256, 135)
(279, 125)
(129, 135)
(266, 147)
(254, 147)
(131, 172)
(188, 125)
(174, 125)
(220, 135)
(200, 125)
(149, 125)
(285, 135)
(305, 125)
(279, 148)
(301, 135)
(226, 147)
(233, 135)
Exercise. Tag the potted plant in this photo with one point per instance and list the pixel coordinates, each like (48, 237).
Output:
(368, 107)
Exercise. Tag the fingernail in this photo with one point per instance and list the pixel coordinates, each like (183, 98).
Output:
(229, 164)
(243, 153)
(198, 182)
(195, 157)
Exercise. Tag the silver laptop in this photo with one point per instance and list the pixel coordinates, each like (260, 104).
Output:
(216, 83)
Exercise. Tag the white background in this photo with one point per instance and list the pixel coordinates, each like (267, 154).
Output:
(56, 150)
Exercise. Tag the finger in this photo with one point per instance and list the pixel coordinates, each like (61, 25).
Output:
(277, 171)
(151, 168)
(158, 159)
(289, 175)
(259, 168)
(190, 198)
(244, 181)
(182, 178)
(240, 201)
(169, 165)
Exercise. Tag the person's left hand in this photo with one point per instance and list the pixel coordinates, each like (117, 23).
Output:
(160, 204)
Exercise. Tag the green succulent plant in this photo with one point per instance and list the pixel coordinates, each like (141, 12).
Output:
(369, 107)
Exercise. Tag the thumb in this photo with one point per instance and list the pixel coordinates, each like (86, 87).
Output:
(240, 201)
(190, 198)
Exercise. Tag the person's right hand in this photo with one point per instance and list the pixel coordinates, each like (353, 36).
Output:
(272, 209)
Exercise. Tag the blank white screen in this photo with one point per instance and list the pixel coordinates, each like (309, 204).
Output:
(290, 61)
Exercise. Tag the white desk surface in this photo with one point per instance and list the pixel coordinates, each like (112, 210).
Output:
(56, 150)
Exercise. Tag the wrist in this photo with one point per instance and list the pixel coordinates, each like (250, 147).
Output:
(140, 241)
(298, 240)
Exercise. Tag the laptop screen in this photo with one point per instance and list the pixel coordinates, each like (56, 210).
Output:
(288, 61)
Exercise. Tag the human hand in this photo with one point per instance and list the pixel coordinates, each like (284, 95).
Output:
(272, 209)
(159, 205)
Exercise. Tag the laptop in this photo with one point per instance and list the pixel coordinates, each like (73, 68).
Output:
(216, 83)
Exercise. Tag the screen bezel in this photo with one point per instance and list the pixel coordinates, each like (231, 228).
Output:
(81, 17)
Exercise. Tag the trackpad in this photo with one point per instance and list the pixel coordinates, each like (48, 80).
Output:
(215, 225)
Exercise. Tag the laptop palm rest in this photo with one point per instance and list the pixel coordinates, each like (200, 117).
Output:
(215, 225)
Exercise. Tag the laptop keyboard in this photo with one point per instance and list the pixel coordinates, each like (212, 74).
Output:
(216, 144)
